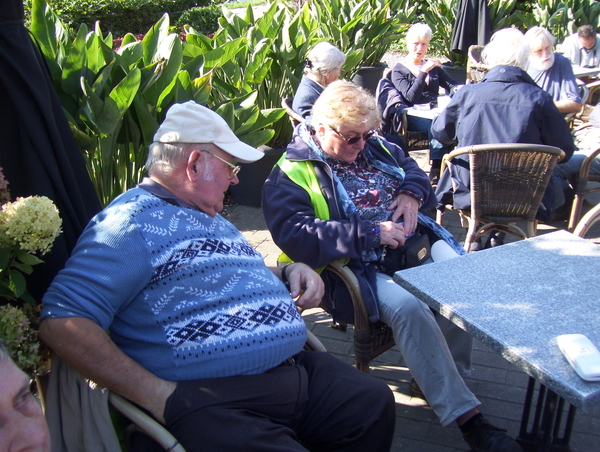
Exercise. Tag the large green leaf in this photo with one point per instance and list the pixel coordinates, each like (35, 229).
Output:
(75, 62)
(17, 282)
(226, 111)
(45, 26)
(118, 101)
(258, 138)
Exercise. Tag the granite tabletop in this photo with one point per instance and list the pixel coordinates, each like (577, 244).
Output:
(517, 298)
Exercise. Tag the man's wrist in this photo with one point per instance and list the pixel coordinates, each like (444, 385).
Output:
(284, 277)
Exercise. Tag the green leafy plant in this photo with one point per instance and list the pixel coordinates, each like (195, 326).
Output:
(369, 26)
(505, 13)
(562, 18)
(120, 16)
(440, 15)
(115, 99)
(204, 20)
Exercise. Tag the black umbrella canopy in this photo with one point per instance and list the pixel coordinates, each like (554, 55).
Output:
(472, 26)
(38, 153)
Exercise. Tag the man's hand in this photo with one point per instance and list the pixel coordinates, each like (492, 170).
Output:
(392, 234)
(306, 286)
(157, 406)
(407, 207)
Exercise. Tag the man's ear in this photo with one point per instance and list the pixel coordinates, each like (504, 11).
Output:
(193, 164)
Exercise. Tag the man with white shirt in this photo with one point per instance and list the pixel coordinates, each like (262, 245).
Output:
(551, 71)
(583, 48)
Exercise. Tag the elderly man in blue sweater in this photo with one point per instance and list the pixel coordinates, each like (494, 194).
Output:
(202, 334)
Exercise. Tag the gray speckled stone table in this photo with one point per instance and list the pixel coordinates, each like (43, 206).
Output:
(517, 298)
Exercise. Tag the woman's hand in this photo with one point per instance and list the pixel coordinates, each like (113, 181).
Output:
(407, 207)
(306, 286)
(392, 234)
(429, 64)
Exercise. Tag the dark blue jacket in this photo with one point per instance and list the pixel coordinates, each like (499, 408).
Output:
(291, 219)
(505, 107)
(306, 95)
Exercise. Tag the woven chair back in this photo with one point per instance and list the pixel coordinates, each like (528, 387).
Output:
(508, 181)
(476, 69)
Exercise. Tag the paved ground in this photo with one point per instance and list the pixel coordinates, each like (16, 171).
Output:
(499, 385)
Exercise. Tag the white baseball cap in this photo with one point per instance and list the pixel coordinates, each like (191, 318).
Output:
(190, 122)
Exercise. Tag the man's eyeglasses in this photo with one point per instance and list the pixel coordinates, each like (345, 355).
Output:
(354, 140)
(233, 169)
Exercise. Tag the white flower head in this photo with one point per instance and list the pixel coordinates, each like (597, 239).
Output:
(33, 223)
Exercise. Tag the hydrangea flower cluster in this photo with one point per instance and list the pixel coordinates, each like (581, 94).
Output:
(33, 223)
(20, 339)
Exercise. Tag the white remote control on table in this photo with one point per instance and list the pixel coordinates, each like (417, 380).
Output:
(583, 356)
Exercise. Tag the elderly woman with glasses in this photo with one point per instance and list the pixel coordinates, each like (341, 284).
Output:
(323, 66)
(343, 192)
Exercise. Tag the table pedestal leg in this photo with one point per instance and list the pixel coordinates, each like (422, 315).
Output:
(545, 428)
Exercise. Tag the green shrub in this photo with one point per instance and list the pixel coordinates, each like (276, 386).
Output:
(120, 16)
(204, 20)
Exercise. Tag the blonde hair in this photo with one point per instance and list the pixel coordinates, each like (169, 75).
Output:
(344, 103)
(507, 47)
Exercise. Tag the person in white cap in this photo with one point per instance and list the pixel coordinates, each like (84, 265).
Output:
(202, 334)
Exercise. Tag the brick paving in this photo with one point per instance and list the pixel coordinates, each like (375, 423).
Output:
(499, 385)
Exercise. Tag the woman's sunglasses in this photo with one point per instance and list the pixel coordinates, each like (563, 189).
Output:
(354, 140)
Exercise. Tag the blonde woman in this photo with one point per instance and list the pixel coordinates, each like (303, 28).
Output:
(418, 80)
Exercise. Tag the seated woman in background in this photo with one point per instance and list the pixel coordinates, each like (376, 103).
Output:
(323, 66)
(418, 81)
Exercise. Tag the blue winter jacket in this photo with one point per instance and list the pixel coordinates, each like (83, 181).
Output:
(505, 107)
(291, 219)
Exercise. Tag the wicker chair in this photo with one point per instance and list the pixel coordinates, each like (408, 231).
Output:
(295, 118)
(507, 185)
(582, 187)
(588, 220)
(476, 69)
(370, 340)
(144, 423)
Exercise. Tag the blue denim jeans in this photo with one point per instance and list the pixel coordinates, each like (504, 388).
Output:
(423, 125)
(435, 350)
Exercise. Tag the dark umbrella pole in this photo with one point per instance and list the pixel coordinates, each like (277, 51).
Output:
(472, 26)
(38, 153)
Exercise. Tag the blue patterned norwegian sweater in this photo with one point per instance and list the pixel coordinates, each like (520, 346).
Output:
(181, 292)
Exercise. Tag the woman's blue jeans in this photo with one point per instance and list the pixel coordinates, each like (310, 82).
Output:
(423, 125)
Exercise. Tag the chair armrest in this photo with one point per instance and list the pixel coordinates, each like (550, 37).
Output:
(584, 171)
(149, 425)
(361, 317)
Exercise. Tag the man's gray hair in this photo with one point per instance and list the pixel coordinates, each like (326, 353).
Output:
(324, 57)
(418, 30)
(507, 47)
(539, 36)
(163, 158)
